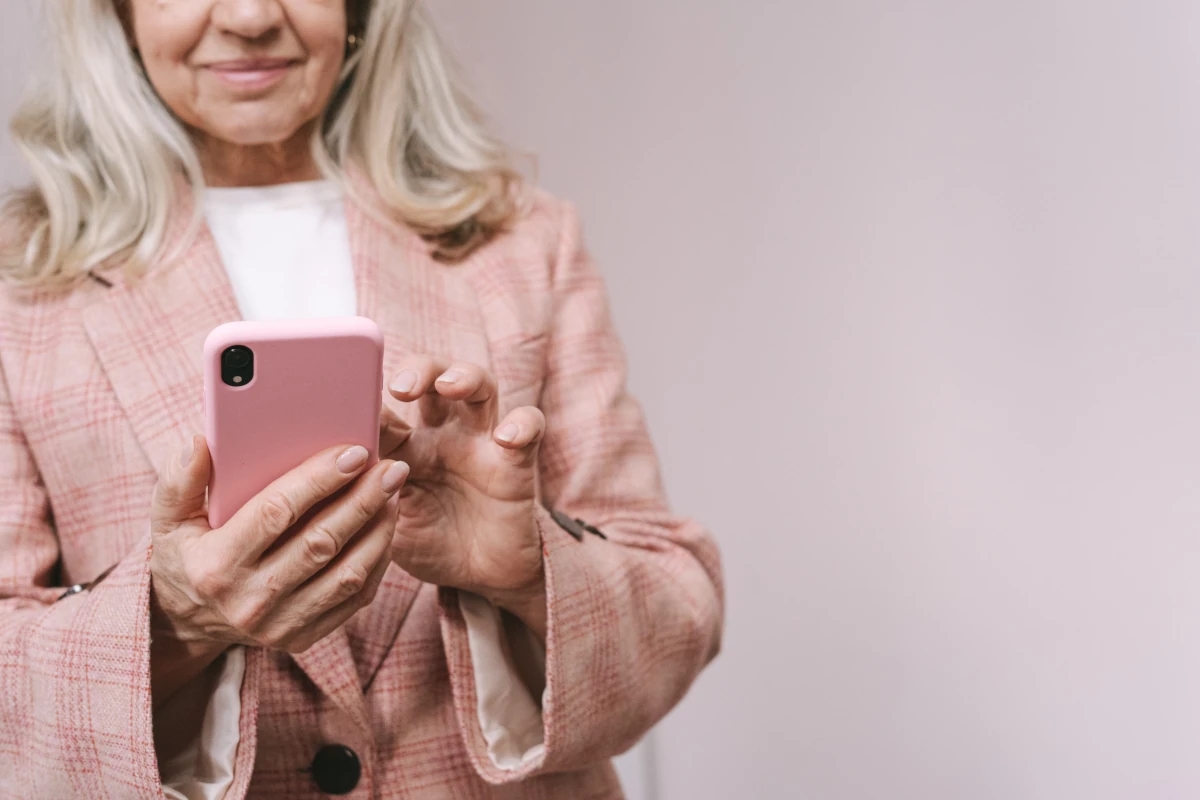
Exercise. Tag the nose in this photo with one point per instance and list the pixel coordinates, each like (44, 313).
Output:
(249, 19)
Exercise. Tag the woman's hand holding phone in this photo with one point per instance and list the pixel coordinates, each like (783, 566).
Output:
(283, 572)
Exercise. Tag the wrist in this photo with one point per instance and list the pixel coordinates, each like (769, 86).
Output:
(528, 604)
(175, 659)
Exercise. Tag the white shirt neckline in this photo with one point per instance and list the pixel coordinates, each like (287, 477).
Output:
(300, 193)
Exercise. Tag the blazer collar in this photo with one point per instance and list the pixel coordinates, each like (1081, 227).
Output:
(149, 336)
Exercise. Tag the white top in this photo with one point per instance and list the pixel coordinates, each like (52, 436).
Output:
(287, 254)
(285, 248)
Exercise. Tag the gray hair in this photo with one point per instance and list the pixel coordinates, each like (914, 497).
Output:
(106, 155)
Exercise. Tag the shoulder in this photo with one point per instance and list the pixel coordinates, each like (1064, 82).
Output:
(31, 317)
(544, 231)
(514, 280)
(545, 217)
(33, 324)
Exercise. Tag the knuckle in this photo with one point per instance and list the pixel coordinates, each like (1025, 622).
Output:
(320, 546)
(366, 507)
(250, 615)
(269, 591)
(313, 486)
(276, 513)
(167, 493)
(352, 579)
(208, 581)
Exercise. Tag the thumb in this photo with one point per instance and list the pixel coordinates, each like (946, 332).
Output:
(179, 494)
(393, 430)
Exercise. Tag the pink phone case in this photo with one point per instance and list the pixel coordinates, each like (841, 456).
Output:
(316, 384)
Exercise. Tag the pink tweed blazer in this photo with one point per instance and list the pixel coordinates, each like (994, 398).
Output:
(99, 386)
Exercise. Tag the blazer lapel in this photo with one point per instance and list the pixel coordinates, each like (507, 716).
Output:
(149, 338)
(423, 308)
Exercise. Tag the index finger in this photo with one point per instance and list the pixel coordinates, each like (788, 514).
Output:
(261, 521)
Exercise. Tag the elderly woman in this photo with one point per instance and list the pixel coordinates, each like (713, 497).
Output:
(495, 609)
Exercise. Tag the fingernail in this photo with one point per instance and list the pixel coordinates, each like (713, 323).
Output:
(405, 382)
(393, 479)
(189, 450)
(508, 432)
(451, 377)
(352, 460)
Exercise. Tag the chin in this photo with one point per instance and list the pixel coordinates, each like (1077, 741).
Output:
(255, 132)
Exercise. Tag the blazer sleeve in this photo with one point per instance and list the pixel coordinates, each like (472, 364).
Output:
(633, 618)
(75, 707)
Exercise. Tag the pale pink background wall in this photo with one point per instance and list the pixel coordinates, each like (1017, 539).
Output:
(20, 46)
(911, 296)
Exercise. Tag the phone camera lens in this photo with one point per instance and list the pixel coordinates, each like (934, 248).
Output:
(238, 356)
(237, 365)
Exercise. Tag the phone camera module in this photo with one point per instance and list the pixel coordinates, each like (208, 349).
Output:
(237, 366)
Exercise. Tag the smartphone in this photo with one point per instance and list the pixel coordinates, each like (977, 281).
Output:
(276, 393)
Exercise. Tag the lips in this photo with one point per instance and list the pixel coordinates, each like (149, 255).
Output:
(252, 73)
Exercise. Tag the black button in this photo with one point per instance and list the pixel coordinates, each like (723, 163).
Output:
(336, 769)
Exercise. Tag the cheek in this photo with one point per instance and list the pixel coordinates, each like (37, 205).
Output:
(165, 38)
(324, 40)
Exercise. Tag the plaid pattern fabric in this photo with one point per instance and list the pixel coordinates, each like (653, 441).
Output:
(99, 386)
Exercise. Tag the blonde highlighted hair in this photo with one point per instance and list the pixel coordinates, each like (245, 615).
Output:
(106, 154)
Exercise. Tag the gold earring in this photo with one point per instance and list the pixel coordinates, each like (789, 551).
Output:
(353, 42)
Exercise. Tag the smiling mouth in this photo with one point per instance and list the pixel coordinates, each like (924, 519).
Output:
(256, 73)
